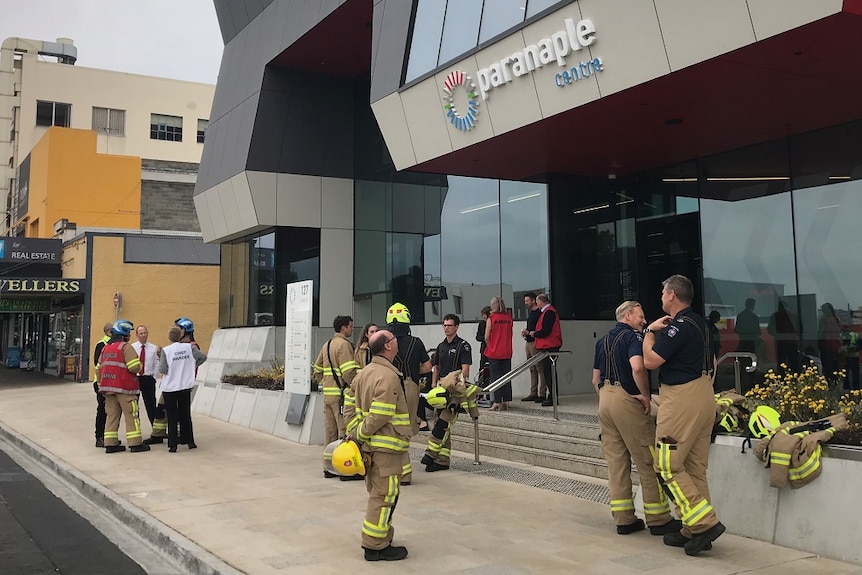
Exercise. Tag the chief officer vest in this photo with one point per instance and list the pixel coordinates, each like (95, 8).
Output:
(555, 338)
(114, 375)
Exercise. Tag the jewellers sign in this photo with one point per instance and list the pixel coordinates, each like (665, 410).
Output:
(41, 286)
(30, 250)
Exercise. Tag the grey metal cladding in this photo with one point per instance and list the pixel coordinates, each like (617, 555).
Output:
(168, 250)
(389, 46)
(225, 20)
(304, 125)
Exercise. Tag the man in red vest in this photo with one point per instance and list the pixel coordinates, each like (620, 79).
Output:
(549, 337)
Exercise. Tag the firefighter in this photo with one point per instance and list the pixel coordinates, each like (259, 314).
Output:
(628, 431)
(453, 395)
(118, 365)
(383, 430)
(101, 415)
(160, 422)
(678, 346)
(336, 366)
(413, 361)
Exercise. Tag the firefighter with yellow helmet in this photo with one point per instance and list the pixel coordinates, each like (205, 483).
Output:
(382, 428)
(453, 395)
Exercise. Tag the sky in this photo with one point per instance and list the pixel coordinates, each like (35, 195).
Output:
(177, 39)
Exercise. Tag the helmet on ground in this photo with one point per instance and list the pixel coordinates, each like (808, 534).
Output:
(398, 313)
(122, 327)
(343, 457)
(438, 398)
(185, 323)
(763, 421)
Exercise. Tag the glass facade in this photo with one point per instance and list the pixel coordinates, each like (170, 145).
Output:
(439, 249)
(445, 30)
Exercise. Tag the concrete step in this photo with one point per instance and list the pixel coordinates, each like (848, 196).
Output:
(588, 466)
(574, 425)
(527, 438)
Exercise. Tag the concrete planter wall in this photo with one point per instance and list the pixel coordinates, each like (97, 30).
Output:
(820, 518)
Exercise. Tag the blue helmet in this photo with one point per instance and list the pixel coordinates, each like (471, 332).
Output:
(186, 324)
(122, 327)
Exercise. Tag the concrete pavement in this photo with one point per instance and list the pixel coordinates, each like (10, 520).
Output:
(251, 503)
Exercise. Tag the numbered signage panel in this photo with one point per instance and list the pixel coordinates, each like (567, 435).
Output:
(297, 341)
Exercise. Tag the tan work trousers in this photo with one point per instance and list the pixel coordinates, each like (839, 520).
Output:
(160, 422)
(683, 430)
(628, 435)
(382, 479)
(333, 422)
(536, 373)
(125, 404)
(411, 393)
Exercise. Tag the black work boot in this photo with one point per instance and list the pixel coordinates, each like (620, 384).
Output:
(352, 478)
(427, 460)
(703, 541)
(678, 540)
(154, 440)
(100, 442)
(329, 475)
(672, 526)
(638, 525)
(139, 448)
(115, 448)
(431, 467)
(389, 553)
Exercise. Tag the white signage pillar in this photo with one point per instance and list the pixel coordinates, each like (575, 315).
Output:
(297, 341)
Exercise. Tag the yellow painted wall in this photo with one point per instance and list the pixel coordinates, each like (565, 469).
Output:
(153, 294)
(68, 179)
(75, 259)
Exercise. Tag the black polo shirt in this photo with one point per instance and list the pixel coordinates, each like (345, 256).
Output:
(409, 364)
(629, 345)
(451, 356)
(532, 322)
(681, 345)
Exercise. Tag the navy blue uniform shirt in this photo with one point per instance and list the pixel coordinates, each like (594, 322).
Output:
(629, 345)
(681, 345)
(532, 322)
(451, 356)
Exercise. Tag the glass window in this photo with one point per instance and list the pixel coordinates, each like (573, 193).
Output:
(827, 263)
(504, 15)
(469, 245)
(53, 114)
(536, 6)
(461, 28)
(369, 275)
(524, 242)
(827, 156)
(297, 259)
(168, 128)
(427, 31)
(261, 280)
(109, 121)
(748, 275)
(202, 127)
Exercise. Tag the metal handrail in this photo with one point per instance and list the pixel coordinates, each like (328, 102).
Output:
(508, 377)
(735, 355)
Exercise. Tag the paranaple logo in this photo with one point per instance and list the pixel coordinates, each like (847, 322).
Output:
(570, 40)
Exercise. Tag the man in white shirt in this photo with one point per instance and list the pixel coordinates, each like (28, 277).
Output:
(149, 354)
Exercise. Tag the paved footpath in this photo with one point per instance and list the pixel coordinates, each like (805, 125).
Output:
(251, 503)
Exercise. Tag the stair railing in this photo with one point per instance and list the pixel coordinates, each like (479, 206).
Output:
(508, 377)
(735, 355)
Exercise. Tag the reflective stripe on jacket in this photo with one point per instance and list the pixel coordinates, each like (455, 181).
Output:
(117, 369)
(382, 419)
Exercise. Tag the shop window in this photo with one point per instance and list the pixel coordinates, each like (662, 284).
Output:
(109, 121)
(167, 128)
(53, 114)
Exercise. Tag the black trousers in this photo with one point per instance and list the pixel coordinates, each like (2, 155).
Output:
(548, 368)
(148, 394)
(101, 414)
(499, 368)
(178, 407)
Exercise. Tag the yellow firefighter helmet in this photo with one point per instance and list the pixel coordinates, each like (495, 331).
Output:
(729, 423)
(763, 421)
(343, 457)
(438, 397)
(398, 313)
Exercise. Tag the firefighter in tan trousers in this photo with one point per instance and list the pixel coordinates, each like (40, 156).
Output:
(678, 346)
(628, 431)
(383, 430)
(336, 366)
